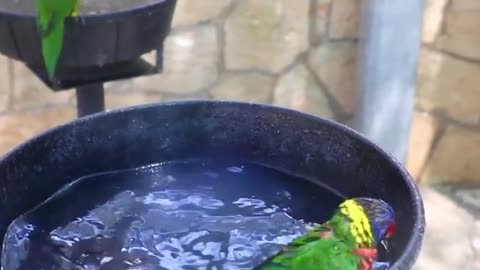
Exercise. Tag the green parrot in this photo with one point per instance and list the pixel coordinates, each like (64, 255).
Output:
(348, 241)
(51, 16)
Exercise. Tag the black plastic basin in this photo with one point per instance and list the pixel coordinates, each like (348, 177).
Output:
(280, 138)
(92, 39)
(97, 47)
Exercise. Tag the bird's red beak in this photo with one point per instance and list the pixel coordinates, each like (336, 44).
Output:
(392, 227)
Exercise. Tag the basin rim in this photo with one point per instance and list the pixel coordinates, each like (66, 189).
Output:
(412, 249)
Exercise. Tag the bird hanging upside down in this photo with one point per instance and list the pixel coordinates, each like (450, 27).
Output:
(51, 15)
(348, 241)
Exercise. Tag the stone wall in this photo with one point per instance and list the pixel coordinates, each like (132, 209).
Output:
(297, 54)
(448, 97)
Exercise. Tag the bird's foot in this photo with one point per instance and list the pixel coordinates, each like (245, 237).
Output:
(367, 255)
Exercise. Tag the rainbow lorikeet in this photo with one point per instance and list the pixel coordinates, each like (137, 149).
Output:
(51, 15)
(348, 241)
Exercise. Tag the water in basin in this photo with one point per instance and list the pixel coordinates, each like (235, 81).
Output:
(178, 215)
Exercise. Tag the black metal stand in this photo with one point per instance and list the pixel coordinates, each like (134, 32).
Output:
(90, 99)
(88, 81)
(97, 49)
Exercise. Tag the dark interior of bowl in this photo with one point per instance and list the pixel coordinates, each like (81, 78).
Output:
(91, 39)
(320, 150)
(97, 47)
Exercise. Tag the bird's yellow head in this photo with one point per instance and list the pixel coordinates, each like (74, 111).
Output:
(372, 220)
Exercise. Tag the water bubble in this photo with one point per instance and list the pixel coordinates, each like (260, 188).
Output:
(381, 266)
(239, 252)
(235, 169)
(249, 202)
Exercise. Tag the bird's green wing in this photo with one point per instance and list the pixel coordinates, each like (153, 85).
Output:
(319, 249)
(51, 18)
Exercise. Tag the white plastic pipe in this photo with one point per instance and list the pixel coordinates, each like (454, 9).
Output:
(390, 38)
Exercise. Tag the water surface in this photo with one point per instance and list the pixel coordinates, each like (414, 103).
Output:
(179, 215)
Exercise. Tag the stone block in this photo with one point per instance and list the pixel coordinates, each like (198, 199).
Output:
(297, 89)
(17, 127)
(190, 63)
(30, 92)
(322, 15)
(345, 19)
(335, 65)
(189, 12)
(266, 35)
(6, 78)
(432, 19)
(456, 157)
(462, 32)
(249, 87)
(449, 85)
(423, 131)
(468, 5)
(122, 100)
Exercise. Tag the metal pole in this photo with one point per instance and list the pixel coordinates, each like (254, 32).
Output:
(90, 99)
(388, 56)
(159, 59)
